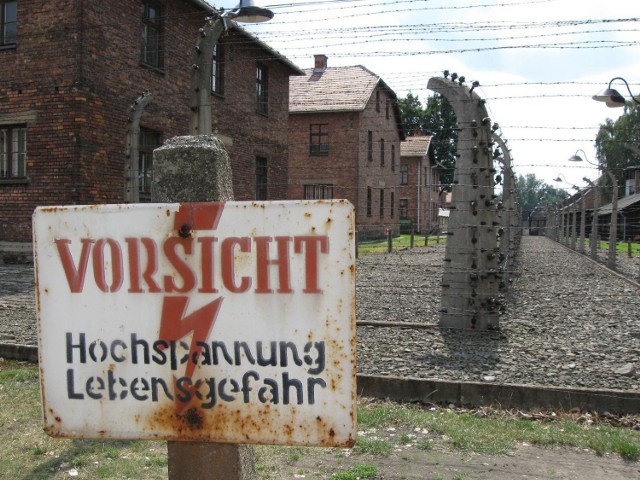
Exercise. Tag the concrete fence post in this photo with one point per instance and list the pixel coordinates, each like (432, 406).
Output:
(471, 275)
(197, 169)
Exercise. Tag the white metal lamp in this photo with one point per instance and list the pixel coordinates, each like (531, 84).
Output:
(248, 12)
(611, 97)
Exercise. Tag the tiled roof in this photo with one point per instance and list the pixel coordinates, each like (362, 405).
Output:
(415, 146)
(336, 89)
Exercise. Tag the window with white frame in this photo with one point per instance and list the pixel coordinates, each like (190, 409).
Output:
(13, 151)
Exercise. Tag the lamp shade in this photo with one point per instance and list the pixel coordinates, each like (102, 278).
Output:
(611, 97)
(248, 12)
(575, 158)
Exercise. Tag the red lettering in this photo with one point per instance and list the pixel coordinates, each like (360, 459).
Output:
(207, 265)
(227, 263)
(99, 271)
(263, 261)
(75, 275)
(311, 244)
(183, 270)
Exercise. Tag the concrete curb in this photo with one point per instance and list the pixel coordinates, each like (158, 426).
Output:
(502, 395)
(402, 389)
(14, 351)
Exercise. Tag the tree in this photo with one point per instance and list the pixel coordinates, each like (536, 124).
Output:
(533, 191)
(438, 120)
(617, 147)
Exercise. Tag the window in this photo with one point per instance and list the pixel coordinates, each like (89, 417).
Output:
(151, 35)
(262, 96)
(370, 145)
(404, 208)
(393, 157)
(393, 201)
(13, 152)
(381, 203)
(377, 100)
(261, 178)
(8, 23)
(404, 175)
(217, 70)
(149, 141)
(318, 139)
(382, 152)
(386, 109)
(318, 191)
(368, 201)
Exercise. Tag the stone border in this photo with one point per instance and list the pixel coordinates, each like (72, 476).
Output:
(16, 351)
(502, 395)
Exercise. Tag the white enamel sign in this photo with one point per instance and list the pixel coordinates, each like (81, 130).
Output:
(226, 322)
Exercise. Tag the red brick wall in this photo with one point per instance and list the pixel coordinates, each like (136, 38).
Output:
(76, 72)
(347, 165)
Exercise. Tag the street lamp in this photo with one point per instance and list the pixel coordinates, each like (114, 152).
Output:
(613, 228)
(217, 23)
(612, 98)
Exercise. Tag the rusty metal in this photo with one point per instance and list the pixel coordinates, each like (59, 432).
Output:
(237, 329)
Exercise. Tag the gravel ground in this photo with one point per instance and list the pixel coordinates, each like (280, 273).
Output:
(568, 322)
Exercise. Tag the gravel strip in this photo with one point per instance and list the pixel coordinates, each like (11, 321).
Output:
(568, 322)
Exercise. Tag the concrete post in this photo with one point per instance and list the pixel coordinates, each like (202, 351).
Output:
(509, 219)
(132, 170)
(471, 276)
(613, 228)
(197, 169)
(583, 221)
(574, 225)
(594, 222)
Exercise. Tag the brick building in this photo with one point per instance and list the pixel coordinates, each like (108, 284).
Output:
(419, 191)
(70, 72)
(344, 142)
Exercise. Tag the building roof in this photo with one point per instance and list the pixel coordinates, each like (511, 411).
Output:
(415, 146)
(623, 203)
(335, 89)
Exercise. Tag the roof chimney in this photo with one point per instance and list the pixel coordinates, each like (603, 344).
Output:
(320, 63)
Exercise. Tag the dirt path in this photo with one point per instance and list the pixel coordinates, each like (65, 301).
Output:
(412, 463)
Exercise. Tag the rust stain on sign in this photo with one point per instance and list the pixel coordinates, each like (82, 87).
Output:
(229, 322)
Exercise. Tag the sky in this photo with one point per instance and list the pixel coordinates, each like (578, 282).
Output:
(538, 61)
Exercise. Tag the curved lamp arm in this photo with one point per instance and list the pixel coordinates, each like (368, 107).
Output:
(612, 98)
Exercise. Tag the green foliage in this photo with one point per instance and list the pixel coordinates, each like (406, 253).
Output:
(356, 472)
(533, 191)
(437, 119)
(616, 148)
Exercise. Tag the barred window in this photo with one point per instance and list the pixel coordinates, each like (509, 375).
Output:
(149, 141)
(151, 35)
(13, 151)
(261, 178)
(8, 22)
(318, 191)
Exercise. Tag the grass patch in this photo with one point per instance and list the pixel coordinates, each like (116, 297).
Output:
(490, 435)
(373, 446)
(399, 242)
(29, 454)
(356, 472)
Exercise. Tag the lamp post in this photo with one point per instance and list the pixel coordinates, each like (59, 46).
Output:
(612, 98)
(186, 459)
(217, 24)
(613, 227)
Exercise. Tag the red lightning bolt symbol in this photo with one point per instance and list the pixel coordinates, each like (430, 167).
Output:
(174, 325)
